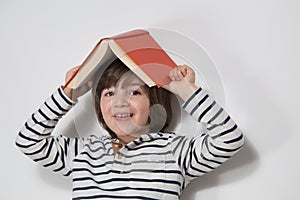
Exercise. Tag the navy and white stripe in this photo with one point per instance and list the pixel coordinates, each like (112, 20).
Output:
(154, 166)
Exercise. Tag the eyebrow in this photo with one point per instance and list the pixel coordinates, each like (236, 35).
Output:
(139, 84)
(136, 84)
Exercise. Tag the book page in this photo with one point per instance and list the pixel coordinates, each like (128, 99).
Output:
(100, 57)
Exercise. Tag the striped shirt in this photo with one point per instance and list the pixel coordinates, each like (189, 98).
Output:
(154, 166)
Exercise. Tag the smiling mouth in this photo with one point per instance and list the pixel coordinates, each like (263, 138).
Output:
(122, 116)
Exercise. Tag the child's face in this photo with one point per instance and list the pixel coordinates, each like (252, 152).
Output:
(125, 108)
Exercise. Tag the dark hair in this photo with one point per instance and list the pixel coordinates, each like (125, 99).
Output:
(160, 99)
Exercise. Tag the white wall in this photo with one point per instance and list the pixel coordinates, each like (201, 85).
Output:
(254, 44)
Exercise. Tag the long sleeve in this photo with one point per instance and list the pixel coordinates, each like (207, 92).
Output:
(35, 139)
(221, 139)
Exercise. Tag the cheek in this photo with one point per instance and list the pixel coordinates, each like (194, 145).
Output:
(105, 108)
(144, 109)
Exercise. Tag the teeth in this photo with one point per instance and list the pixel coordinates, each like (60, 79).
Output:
(123, 115)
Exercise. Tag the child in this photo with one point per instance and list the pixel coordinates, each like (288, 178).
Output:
(137, 159)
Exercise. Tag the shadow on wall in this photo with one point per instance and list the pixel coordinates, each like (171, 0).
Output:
(264, 121)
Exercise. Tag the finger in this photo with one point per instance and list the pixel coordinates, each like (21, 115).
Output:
(173, 75)
(180, 73)
(184, 69)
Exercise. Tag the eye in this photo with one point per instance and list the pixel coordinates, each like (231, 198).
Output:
(108, 93)
(135, 92)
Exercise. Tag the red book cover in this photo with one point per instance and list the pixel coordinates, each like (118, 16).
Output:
(142, 49)
(138, 50)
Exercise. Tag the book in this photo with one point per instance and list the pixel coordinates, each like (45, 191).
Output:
(137, 49)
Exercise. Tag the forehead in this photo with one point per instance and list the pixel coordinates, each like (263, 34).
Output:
(129, 80)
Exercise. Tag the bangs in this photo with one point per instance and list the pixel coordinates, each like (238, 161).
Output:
(118, 76)
(112, 77)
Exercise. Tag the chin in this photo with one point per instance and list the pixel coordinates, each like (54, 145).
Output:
(131, 132)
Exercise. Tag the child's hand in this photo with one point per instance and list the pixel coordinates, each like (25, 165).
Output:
(183, 81)
(74, 94)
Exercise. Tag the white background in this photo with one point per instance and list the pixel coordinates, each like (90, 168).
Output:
(254, 44)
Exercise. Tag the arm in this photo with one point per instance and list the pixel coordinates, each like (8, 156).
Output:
(222, 137)
(35, 139)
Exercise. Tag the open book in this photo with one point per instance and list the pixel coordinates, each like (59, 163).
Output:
(137, 49)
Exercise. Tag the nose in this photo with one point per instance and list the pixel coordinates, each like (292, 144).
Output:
(120, 100)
